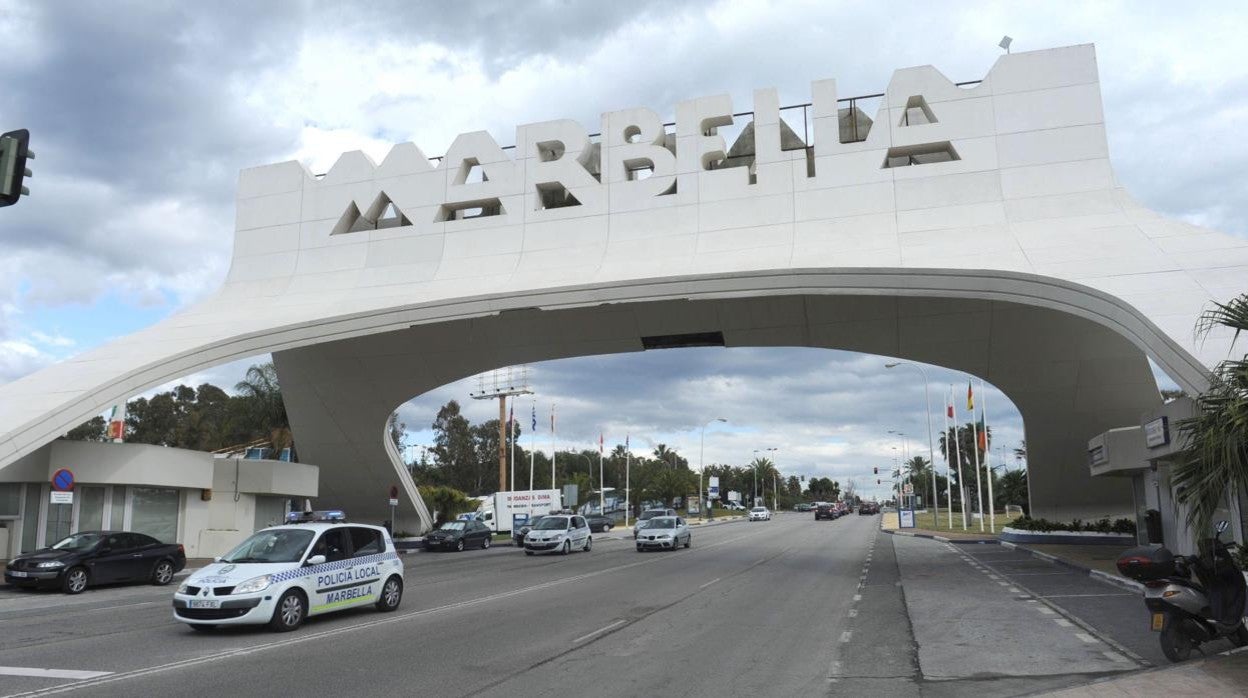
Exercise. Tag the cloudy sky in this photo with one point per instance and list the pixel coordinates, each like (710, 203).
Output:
(142, 114)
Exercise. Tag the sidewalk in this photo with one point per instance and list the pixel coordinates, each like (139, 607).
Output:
(1221, 675)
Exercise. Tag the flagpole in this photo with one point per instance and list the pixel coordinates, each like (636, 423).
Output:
(532, 456)
(552, 447)
(948, 461)
(602, 497)
(979, 488)
(628, 479)
(511, 436)
(992, 507)
(957, 450)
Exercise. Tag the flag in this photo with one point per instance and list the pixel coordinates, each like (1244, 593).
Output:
(949, 410)
(626, 442)
(552, 419)
(534, 416)
(600, 442)
(983, 439)
(511, 418)
(970, 397)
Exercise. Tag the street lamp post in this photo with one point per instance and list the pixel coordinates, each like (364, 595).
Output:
(755, 473)
(931, 451)
(702, 500)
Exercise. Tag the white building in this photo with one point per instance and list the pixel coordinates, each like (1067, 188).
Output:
(208, 504)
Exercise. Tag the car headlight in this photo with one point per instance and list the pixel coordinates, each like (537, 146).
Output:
(51, 565)
(253, 585)
(182, 588)
(664, 536)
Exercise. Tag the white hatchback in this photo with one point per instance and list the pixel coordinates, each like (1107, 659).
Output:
(760, 514)
(281, 575)
(558, 533)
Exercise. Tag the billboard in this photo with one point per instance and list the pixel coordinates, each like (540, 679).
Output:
(712, 487)
(734, 496)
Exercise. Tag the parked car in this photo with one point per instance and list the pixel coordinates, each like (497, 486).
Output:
(97, 557)
(802, 506)
(733, 506)
(824, 510)
(457, 535)
(517, 536)
(760, 514)
(664, 532)
(599, 523)
(559, 533)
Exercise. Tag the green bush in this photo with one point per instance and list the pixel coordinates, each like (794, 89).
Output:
(1123, 526)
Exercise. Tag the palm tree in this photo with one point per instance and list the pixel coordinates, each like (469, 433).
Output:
(1215, 456)
(264, 406)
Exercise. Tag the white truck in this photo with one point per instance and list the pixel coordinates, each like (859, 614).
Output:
(496, 510)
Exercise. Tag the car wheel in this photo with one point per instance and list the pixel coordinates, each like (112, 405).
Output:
(75, 581)
(485, 543)
(391, 594)
(528, 552)
(609, 528)
(289, 613)
(688, 540)
(640, 549)
(203, 628)
(589, 541)
(567, 547)
(459, 545)
(162, 574)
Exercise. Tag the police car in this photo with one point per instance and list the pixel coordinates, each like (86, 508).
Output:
(316, 563)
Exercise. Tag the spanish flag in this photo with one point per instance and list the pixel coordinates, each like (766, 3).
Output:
(970, 397)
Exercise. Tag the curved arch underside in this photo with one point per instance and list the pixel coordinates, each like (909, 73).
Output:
(1071, 360)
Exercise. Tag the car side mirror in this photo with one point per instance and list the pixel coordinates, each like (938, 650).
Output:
(315, 560)
(217, 559)
(1222, 525)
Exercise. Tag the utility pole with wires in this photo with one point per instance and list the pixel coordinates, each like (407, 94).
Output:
(501, 384)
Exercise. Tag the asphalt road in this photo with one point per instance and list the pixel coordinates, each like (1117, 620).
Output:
(786, 607)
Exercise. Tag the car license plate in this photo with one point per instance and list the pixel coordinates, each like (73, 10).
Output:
(15, 573)
(1159, 620)
(204, 603)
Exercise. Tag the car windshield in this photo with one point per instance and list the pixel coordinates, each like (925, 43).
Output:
(453, 526)
(274, 545)
(759, 509)
(78, 541)
(555, 523)
(662, 522)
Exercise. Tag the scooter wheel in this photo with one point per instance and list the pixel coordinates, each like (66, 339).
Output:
(1176, 644)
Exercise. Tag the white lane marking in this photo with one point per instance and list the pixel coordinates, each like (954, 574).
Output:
(1013, 590)
(853, 613)
(1087, 638)
(857, 597)
(1004, 584)
(338, 632)
(846, 635)
(1046, 611)
(710, 582)
(993, 576)
(599, 631)
(1063, 622)
(1081, 596)
(51, 673)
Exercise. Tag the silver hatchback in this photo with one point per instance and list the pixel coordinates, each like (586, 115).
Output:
(664, 533)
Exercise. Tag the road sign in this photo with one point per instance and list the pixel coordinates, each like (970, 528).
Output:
(63, 480)
(905, 518)
(394, 501)
(907, 488)
(59, 497)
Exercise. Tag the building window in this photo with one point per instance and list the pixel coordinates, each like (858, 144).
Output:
(30, 518)
(154, 512)
(90, 508)
(10, 500)
(117, 510)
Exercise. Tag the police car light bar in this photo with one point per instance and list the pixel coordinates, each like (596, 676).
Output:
(330, 515)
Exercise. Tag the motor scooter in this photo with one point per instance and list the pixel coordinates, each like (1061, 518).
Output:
(1191, 612)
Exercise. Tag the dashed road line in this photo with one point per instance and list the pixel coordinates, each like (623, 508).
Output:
(51, 673)
(599, 631)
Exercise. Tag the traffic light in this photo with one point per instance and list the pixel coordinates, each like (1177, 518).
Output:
(877, 470)
(14, 152)
(877, 481)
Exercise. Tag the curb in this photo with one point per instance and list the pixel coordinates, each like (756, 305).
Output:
(941, 539)
(1105, 577)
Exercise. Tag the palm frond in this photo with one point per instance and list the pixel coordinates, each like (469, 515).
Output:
(1232, 314)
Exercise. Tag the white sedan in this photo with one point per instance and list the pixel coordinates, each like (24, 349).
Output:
(760, 514)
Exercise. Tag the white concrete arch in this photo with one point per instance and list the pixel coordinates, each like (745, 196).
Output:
(1000, 193)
